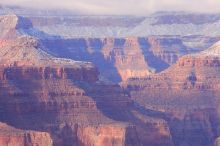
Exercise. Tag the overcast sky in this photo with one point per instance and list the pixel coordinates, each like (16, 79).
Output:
(122, 7)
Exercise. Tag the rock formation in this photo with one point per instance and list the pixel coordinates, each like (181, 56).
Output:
(186, 95)
(16, 137)
(117, 58)
(66, 99)
(120, 59)
(63, 102)
(10, 24)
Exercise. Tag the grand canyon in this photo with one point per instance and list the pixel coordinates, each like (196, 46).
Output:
(84, 80)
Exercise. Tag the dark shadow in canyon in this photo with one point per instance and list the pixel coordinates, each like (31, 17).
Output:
(79, 50)
(152, 60)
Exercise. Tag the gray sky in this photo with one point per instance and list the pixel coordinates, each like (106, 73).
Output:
(122, 7)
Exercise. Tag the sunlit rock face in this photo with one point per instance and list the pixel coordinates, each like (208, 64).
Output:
(12, 136)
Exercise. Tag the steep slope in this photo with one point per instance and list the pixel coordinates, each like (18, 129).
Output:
(27, 57)
(213, 51)
(10, 24)
(188, 94)
(24, 53)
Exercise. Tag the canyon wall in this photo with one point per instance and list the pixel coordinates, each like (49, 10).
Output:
(16, 137)
(71, 105)
(66, 100)
(120, 59)
(186, 95)
(76, 112)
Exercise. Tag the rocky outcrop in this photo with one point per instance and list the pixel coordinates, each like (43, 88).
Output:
(28, 60)
(106, 135)
(167, 49)
(9, 24)
(126, 55)
(115, 135)
(17, 137)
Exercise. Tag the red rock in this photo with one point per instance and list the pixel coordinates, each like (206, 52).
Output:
(121, 58)
(187, 95)
(17, 137)
(65, 99)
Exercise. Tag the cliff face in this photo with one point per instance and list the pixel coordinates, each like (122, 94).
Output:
(120, 59)
(64, 98)
(127, 57)
(9, 24)
(186, 95)
(17, 137)
(117, 58)
(28, 61)
(79, 113)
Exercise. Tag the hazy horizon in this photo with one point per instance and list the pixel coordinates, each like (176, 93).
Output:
(121, 7)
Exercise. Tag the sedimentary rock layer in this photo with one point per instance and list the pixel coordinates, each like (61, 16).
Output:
(16, 137)
(186, 95)
(64, 98)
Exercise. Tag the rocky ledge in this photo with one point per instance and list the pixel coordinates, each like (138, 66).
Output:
(10, 136)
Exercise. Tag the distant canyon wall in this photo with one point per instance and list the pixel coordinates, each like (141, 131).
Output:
(122, 58)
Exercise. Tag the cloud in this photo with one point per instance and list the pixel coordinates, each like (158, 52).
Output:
(122, 7)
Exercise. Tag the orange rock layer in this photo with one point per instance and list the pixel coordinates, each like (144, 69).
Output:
(10, 136)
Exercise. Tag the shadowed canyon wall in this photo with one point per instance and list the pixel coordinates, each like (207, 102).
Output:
(121, 58)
